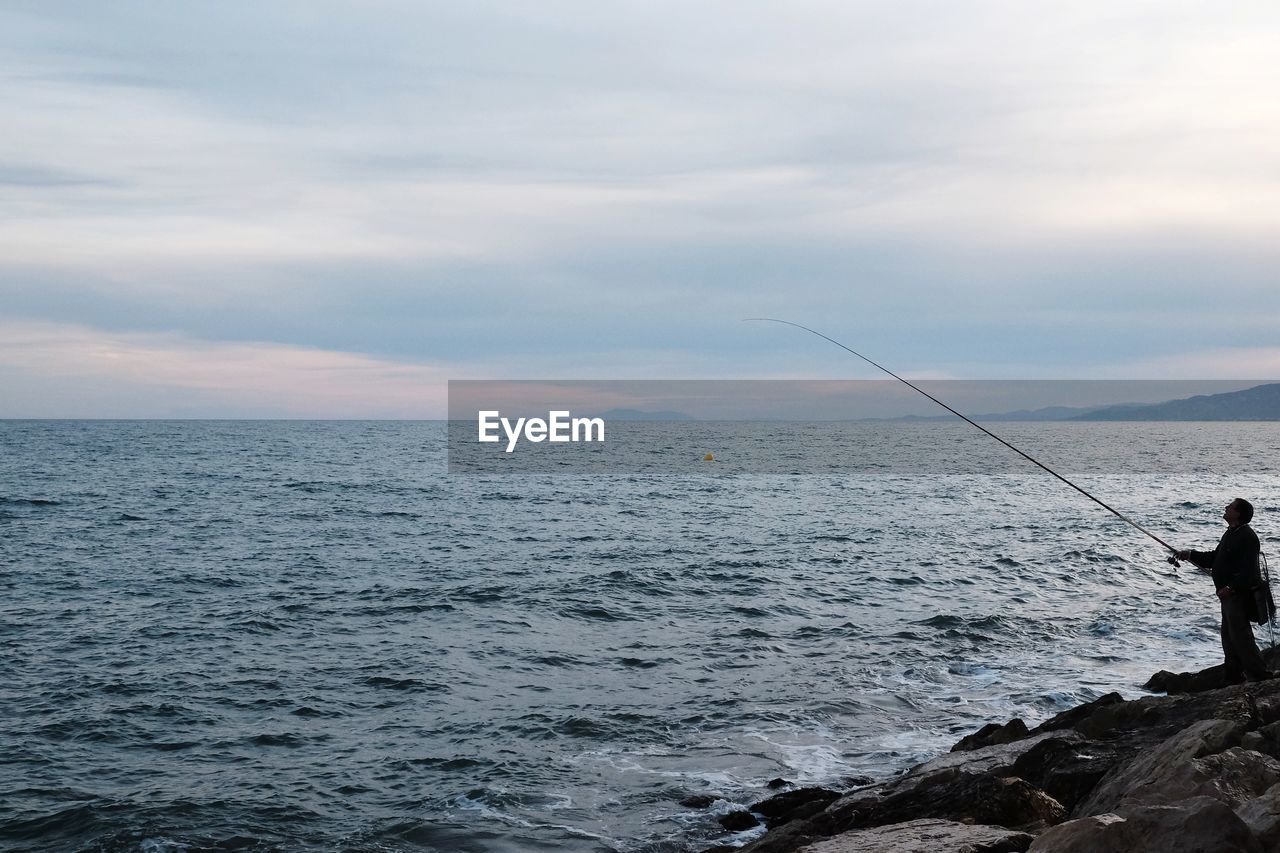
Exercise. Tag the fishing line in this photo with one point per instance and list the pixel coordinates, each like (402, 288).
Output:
(1173, 551)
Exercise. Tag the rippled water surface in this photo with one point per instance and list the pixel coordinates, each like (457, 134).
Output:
(308, 636)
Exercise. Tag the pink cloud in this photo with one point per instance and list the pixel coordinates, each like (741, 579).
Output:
(56, 370)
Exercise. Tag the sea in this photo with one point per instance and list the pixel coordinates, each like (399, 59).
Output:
(315, 636)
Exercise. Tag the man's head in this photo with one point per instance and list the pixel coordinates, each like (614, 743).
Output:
(1239, 511)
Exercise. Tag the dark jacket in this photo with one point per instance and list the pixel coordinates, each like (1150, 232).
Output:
(1234, 562)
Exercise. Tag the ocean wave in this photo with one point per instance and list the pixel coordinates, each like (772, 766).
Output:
(411, 685)
(289, 740)
(598, 613)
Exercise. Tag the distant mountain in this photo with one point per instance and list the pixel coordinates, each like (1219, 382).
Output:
(1260, 403)
(1049, 413)
(637, 415)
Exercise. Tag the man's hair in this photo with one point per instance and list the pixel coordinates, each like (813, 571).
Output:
(1245, 509)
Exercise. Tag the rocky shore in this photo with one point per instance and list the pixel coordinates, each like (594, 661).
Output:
(1195, 769)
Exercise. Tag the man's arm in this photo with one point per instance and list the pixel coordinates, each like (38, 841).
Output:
(1202, 560)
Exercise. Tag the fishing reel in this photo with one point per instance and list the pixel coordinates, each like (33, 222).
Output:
(1173, 560)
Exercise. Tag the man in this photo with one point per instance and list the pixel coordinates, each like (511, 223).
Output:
(1234, 566)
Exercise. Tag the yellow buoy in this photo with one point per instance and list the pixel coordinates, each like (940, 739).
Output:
(708, 458)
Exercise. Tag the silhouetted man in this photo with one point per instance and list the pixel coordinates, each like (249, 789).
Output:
(1234, 566)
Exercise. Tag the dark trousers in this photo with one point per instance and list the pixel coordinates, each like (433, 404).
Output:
(1241, 650)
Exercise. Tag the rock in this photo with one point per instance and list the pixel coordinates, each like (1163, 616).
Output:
(775, 784)
(998, 759)
(992, 734)
(1107, 713)
(1199, 825)
(1066, 766)
(698, 801)
(1082, 835)
(1088, 757)
(1262, 815)
(792, 805)
(738, 820)
(947, 795)
(800, 813)
(981, 799)
(1265, 740)
(856, 782)
(1268, 711)
(1213, 678)
(1271, 732)
(1202, 738)
(1068, 718)
(1145, 712)
(1234, 777)
(785, 839)
(924, 836)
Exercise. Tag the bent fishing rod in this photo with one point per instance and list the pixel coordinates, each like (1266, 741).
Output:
(1173, 552)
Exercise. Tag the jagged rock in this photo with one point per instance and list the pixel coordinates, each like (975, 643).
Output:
(1064, 758)
(786, 838)
(1066, 766)
(1001, 801)
(947, 795)
(1212, 678)
(780, 804)
(698, 801)
(794, 805)
(1265, 740)
(1199, 825)
(1107, 713)
(856, 782)
(738, 820)
(1234, 777)
(1142, 723)
(918, 783)
(804, 812)
(1082, 835)
(992, 734)
(775, 784)
(1068, 718)
(925, 836)
(1144, 712)
(1271, 732)
(998, 759)
(1203, 738)
(1268, 711)
(1262, 815)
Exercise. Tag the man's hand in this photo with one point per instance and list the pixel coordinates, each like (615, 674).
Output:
(1224, 592)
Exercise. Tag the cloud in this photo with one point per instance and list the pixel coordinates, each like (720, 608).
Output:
(22, 175)
(1208, 363)
(74, 371)
(988, 190)
(426, 131)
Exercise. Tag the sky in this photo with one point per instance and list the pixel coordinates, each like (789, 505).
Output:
(324, 209)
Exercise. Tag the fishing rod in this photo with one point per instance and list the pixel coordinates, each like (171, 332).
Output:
(1173, 552)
